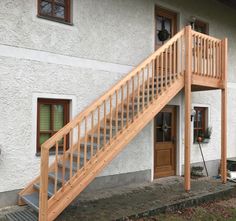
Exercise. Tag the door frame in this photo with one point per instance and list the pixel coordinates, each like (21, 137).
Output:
(177, 141)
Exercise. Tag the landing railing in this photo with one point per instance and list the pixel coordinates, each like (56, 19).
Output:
(109, 116)
(207, 56)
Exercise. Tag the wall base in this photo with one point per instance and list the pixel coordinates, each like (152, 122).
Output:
(212, 167)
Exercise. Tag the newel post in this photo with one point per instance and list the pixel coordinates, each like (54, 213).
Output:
(43, 193)
(188, 106)
(224, 111)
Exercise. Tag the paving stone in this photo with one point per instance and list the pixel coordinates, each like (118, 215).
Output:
(135, 201)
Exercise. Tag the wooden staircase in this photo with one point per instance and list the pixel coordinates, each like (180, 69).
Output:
(94, 138)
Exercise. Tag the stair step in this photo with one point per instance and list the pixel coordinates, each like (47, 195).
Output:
(32, 200)
(75, 154)
(50, 188)
(74, 164)
(59, 174)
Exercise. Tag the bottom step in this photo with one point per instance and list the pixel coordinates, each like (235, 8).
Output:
(32, 200)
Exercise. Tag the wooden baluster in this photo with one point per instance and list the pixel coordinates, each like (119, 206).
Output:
(117, 107)
(220, 61)
(92, 134)
(138, 93)
(56, 169)
(133, 98)
(175, 59)
(153, 76)
(157, 75)
(71, 152)
(105, 124)
(215, 59)
(64, 160)
(143, 88)
(127, 108)
(183, 55)
(204, 57)
(98, 138)
(162, 73)
(211, 58)
(170, 65)
(85, 140)
(166, 68)
(78, 148)
(207, 56)
(148, 84)
(122, 107)
(198, 55)
(111, 118)
(212, 61)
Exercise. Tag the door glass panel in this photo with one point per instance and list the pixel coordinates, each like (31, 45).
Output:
(58, 117)
(45, 117)
(167, 135)
(159, 120)
(168, 118)
(159, 135)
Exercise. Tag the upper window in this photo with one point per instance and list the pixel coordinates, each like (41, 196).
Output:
(200, 26)
(52, 116)
(58, 10)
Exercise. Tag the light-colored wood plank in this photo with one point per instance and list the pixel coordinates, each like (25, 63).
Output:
(187, 92)
(224, 114)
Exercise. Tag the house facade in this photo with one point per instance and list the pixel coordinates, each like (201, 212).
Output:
(54, 64)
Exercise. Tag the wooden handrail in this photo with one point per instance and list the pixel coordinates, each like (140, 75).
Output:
(56, 137)
(123, 103)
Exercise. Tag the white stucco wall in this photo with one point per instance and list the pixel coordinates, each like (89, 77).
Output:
(107, 39)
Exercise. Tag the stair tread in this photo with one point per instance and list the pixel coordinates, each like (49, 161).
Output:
(74, 164)
(32, 200)
(50, 188)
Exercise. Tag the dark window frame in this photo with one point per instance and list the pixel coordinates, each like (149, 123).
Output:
(52, 17)
(204, 111)
(66, 106)
(203, 25)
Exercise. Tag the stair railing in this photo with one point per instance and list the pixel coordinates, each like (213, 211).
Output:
(107, 118)
(110, 115)
(207, 56)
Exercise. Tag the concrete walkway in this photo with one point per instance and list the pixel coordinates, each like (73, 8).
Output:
(142, 200)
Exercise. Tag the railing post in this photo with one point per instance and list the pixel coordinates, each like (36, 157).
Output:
(224, 111)
(43, 193)
(187, 92)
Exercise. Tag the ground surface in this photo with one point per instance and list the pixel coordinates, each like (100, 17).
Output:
(147, 200)
(214, 211)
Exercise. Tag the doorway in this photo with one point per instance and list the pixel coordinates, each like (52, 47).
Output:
(165, 143)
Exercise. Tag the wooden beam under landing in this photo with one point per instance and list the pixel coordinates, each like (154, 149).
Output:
(206, 83)
(187, 91)
(224, 114)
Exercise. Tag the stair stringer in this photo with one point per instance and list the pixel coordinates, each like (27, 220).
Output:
(72, 189)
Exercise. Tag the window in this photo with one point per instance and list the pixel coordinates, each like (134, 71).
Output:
(52, 116)
(57, 10)
(199, 122)
(200, 26)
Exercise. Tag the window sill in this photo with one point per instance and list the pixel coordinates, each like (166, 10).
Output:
(51, 153)
(203, 142)
(54, 20)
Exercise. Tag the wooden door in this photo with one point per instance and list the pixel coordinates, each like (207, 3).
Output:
(169, 19)
(165, 143)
